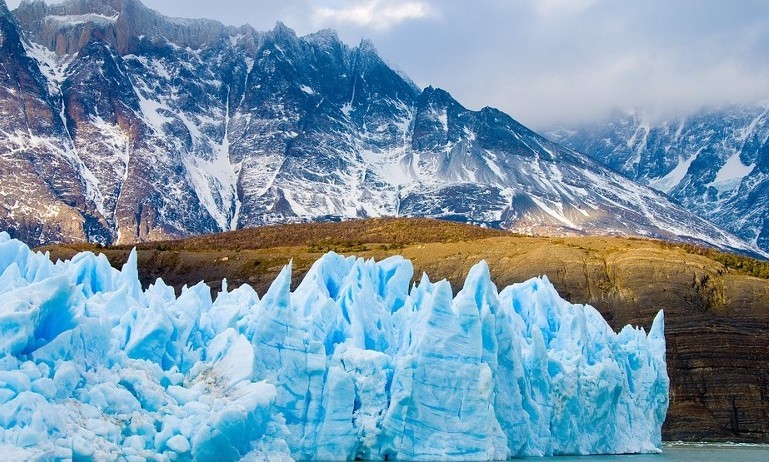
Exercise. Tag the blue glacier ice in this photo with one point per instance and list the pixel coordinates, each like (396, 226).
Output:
(356, 362)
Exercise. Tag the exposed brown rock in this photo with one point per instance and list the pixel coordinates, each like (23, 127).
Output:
(117, 22)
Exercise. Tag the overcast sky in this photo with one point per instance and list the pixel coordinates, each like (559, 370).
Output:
(543, 61)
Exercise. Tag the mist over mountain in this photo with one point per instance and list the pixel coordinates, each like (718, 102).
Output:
(122, 125)
(714, 162)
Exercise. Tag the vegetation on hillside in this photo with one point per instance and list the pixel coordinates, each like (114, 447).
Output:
(332, 235)
(738, 263)
(259, 251)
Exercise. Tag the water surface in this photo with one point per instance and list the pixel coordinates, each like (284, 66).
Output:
(683, 453)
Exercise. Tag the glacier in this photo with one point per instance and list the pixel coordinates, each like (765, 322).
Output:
(356, 362)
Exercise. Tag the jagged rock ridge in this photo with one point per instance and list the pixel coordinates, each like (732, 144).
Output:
(123, 125)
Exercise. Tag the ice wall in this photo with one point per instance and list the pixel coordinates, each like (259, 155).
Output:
(352, 363)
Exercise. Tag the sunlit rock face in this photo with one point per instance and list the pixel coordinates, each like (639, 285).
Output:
(355, 362)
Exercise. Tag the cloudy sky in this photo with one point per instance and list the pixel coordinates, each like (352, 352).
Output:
(545, 62)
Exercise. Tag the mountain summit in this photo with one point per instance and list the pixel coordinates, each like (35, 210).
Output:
(122, 125)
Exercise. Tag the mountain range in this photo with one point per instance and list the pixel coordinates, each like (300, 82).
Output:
(714, 162)
(122, 125)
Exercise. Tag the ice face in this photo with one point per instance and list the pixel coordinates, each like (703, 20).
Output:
(352, 364)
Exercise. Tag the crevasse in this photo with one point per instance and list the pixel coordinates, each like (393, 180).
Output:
(354, 363)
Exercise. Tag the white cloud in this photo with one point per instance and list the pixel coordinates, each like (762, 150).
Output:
(376, 14)
(550, 8)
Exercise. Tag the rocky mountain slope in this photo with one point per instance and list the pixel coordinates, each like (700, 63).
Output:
(122, 125)
(715, 162)
(717, 322)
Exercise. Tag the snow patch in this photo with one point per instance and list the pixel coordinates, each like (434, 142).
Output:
(77, 19)
(731, 174)
(674, 177)
(557, 214)
(53, 67)
(214, 183)
(443, 118)
(150, 113)
(637, 143)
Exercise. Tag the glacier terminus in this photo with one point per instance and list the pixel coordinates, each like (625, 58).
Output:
(356, 362)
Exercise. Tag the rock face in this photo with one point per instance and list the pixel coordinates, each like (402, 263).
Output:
(715, 162)
(67, 27)
(41, 194)
(124, 126)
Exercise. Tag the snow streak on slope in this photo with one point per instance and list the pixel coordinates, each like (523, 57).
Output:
(351, 364)
(674, 177)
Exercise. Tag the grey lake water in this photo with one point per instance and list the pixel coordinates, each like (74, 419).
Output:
(683, 453)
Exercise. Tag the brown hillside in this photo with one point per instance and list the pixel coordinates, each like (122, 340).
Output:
(717, 313)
